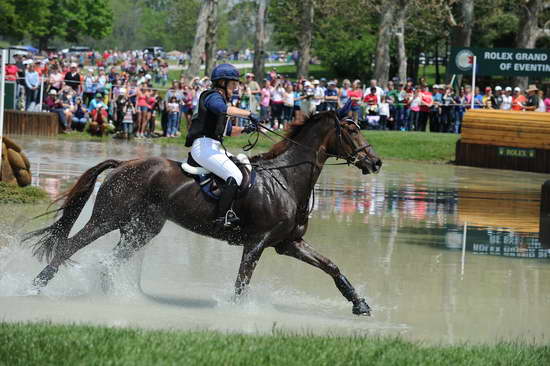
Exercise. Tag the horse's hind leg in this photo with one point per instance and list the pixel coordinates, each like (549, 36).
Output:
(304, 252)
(132, 238)
(90, 232)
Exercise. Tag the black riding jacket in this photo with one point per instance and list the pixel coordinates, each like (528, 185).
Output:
(206, 123)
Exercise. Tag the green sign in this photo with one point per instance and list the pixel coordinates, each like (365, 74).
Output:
(9, 96)
(500, 61)
(514, 152)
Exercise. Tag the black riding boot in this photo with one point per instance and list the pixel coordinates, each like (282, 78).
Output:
(226, 216)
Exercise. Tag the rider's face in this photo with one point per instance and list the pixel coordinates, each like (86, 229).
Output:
(232, 84)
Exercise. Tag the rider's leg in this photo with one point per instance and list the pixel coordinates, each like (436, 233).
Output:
(210, 154)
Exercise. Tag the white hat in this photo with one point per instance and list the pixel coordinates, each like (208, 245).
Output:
(73, 64)
(498, 87)
(307, 84)
(53, 92)
(508, 88)
(122, 90)
(27, 62)
(90, 69)
(148, 77)
(315, 81)
(516, 89)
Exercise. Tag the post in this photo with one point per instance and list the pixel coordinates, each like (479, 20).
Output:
(463, 250)
(2, 92)
(41, 92)
(544, 229)
(474, 81)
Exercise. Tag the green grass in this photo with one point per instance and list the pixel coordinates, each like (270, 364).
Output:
(12, 193)
(45, 344)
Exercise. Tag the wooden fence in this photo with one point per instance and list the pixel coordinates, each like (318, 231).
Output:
(505, 140)
(31, 123)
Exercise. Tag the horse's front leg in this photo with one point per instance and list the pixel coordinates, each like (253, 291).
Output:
(304, 252)
(251, 256)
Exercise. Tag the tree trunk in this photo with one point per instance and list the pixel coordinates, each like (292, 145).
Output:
(259, 43)
(382, 57)
(528, 32)
(198, 45)
(436, 63)
(462, 32)
(304, 41)
(401, 50)
(210, 39)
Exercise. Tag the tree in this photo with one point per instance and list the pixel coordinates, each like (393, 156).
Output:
(529, 32)
(15, 16)
(259, 44)
(402, 14)
(306, 33)
(210, 38)
(72, 19)
(200, 39)
(387, 10)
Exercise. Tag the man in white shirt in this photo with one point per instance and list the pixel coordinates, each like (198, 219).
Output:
(507, 99)
(318, 95)
(379, 91)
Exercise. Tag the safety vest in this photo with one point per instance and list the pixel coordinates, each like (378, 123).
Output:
(206, 123)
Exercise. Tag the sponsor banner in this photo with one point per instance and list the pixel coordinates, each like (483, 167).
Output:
(515, 152)
(500, 61)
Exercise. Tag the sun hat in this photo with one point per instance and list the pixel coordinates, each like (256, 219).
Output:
(531, 88)
(315, 82)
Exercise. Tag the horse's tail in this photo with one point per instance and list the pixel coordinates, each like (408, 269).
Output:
(51, 239)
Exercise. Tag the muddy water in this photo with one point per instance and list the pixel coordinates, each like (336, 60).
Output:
(397, 235)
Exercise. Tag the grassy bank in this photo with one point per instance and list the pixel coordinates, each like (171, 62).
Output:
(43, 344)
(428, 147)
(11, 193)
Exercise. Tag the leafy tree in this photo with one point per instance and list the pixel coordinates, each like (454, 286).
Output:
(16, 16)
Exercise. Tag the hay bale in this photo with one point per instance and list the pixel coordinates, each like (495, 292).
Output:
(6, 173)
(11, 144)
(23, 178)
(15, 160)
(26, 160)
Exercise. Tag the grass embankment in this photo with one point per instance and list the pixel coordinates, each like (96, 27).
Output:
(45, 344)
(420, 146)
(12, 193)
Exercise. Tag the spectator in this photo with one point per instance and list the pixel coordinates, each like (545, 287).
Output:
(460, 108)
(356, 94)
(79, 115)
(506, 104)
(277, 91)
(298, 89)
(173, 111)
(32, 84)
(73, 79)
(343, 92)
(318, 96)
(255, 92)
(129, 112)
(542, 105)
(518, 100)
(496, 101)
(331, 96)
(384, 111)
(414, 106)
(90, 86)
(487, 99)
(97, 102)
(547, 101)
(98, 124)
(532, 103)
(11, 72)
(288, 106)
(425, 108)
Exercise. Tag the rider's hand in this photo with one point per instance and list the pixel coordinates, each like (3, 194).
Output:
(254, 119)
(251, 127)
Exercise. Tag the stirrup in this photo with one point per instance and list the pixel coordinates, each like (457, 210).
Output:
(229, 220)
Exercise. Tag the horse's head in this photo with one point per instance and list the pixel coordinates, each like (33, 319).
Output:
(349, 143)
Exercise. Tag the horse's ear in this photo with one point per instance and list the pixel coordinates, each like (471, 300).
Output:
(343, 112)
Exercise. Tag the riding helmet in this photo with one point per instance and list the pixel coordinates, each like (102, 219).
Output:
(225, 71)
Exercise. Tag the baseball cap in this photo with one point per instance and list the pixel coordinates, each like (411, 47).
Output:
(498, 87)
(516, 89)
(508, 88)
(315, 81)
(53, 92)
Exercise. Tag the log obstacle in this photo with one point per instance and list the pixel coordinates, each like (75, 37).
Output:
(31, 123)
(544, 231)
(15, 165)
(505, 140)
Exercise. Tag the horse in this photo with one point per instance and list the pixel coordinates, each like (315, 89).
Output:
(139, 196)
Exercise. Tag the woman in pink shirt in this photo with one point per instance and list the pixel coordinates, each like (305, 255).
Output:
(265, 96)
(356, 94)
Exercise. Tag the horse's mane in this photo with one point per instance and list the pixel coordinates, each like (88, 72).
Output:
(293, 131)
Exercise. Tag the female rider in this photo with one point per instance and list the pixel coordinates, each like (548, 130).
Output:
(206, 134)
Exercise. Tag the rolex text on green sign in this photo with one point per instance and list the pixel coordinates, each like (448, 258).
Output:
(515, 152)
(500, 61)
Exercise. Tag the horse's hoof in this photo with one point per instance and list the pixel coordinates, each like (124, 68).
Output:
(360, 307)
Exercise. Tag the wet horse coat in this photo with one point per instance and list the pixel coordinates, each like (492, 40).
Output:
(139, 196)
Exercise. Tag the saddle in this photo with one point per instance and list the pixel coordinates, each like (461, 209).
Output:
(211, 185)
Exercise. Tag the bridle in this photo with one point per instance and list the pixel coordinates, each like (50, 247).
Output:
(350, 158)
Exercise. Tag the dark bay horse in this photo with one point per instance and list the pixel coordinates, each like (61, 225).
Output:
(138, 196)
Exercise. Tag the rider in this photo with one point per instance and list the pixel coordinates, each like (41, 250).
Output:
(205, 136)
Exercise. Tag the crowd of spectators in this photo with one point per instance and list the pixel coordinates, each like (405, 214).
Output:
(114, 91)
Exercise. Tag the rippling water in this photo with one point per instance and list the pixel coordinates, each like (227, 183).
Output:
(397, 235)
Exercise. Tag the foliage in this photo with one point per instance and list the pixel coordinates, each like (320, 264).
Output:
(11, 193)
(15, 16)
(46, 344)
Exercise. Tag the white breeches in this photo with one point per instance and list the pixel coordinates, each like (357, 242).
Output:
(210, 154)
